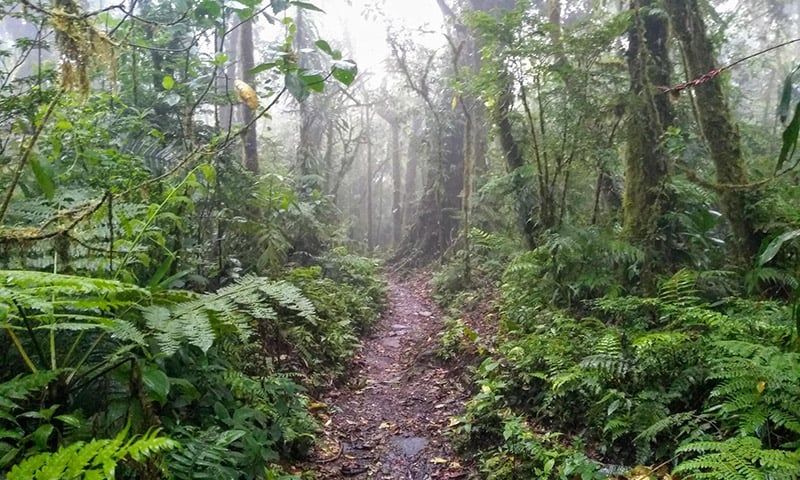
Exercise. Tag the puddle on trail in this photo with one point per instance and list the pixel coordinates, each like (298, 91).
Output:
(410, 446)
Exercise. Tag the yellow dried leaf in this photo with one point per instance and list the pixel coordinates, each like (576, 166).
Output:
(316, 406)
(762, 385)
(246, 94)
(438, 460)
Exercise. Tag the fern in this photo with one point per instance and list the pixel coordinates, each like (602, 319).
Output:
(14, 394)
(679, 290)
(198, 320)
(95, 460)
(608, 357)
(666, 424)
(22, 387)
(759, 386)
(741, 458)
(206, 454)
(50, 293)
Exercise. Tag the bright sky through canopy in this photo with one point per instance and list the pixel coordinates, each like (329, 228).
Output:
(365, 23)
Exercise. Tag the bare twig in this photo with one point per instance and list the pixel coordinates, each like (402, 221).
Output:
(716, 72)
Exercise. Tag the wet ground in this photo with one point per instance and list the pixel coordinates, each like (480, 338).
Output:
(391, 420)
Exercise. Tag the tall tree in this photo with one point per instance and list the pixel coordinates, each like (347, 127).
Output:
(649, 114)
(247, 62)
(720, 132)
(397, 175)
(437, 221)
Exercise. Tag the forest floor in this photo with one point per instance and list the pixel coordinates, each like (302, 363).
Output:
(390, 421)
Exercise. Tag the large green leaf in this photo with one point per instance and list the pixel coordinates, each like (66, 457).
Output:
(324, 46)
(279, 5)
(775, 246)
(345, 71)
(157, 383)
(296, 86)
(314, 81)
(786, 99)
(43, 178)
(789, 139)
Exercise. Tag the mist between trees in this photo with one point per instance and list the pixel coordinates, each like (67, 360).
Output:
(198, 199)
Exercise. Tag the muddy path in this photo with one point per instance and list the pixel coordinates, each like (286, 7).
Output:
(392, 418)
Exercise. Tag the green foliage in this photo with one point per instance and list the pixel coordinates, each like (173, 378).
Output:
(348, 299)
(14, 396)
(489, 256)
(458, 340)
(571, 268)
(96, 460)
(758, 393)
(655, 376)
(128, 193)
(141, 347)
(742, 458)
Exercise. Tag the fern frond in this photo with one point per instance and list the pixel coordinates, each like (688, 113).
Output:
(97, 459)
(22, 387)
(680, 289)
(672, 421)
(741, 458)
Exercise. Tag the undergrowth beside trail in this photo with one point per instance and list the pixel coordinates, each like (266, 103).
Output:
(589, 377)
(197, 385)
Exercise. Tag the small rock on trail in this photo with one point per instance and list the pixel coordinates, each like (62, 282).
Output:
(391, 421)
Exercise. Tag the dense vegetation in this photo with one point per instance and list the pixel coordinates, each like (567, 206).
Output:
(192, 207)
(648, 315)
(166, 313)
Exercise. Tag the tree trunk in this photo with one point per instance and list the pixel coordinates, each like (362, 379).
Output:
(248, 63)
(225, 81)
(410, 194)
(370, 174)
(523, 201)
(721, 134)
(649, 113)
(312, 119)
(397, 187)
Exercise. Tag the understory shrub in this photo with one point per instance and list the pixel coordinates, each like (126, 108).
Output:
(223, 375)
(706, 387)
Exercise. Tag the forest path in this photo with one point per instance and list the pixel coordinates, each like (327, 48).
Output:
(391, 420)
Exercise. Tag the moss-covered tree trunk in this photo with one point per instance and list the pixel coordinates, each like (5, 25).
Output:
(719, 130)
(649, 113)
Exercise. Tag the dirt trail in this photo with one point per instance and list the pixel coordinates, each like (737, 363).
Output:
(391, 420)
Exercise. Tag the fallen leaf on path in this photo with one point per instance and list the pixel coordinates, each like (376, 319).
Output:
(386, 425)
(439, 460)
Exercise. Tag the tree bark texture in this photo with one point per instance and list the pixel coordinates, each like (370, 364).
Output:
(649, 114)
(719, 130)
(515, 160)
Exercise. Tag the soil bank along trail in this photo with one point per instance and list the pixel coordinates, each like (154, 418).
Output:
(391, 419)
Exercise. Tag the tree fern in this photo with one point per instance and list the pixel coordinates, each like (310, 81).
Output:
(96, 460)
